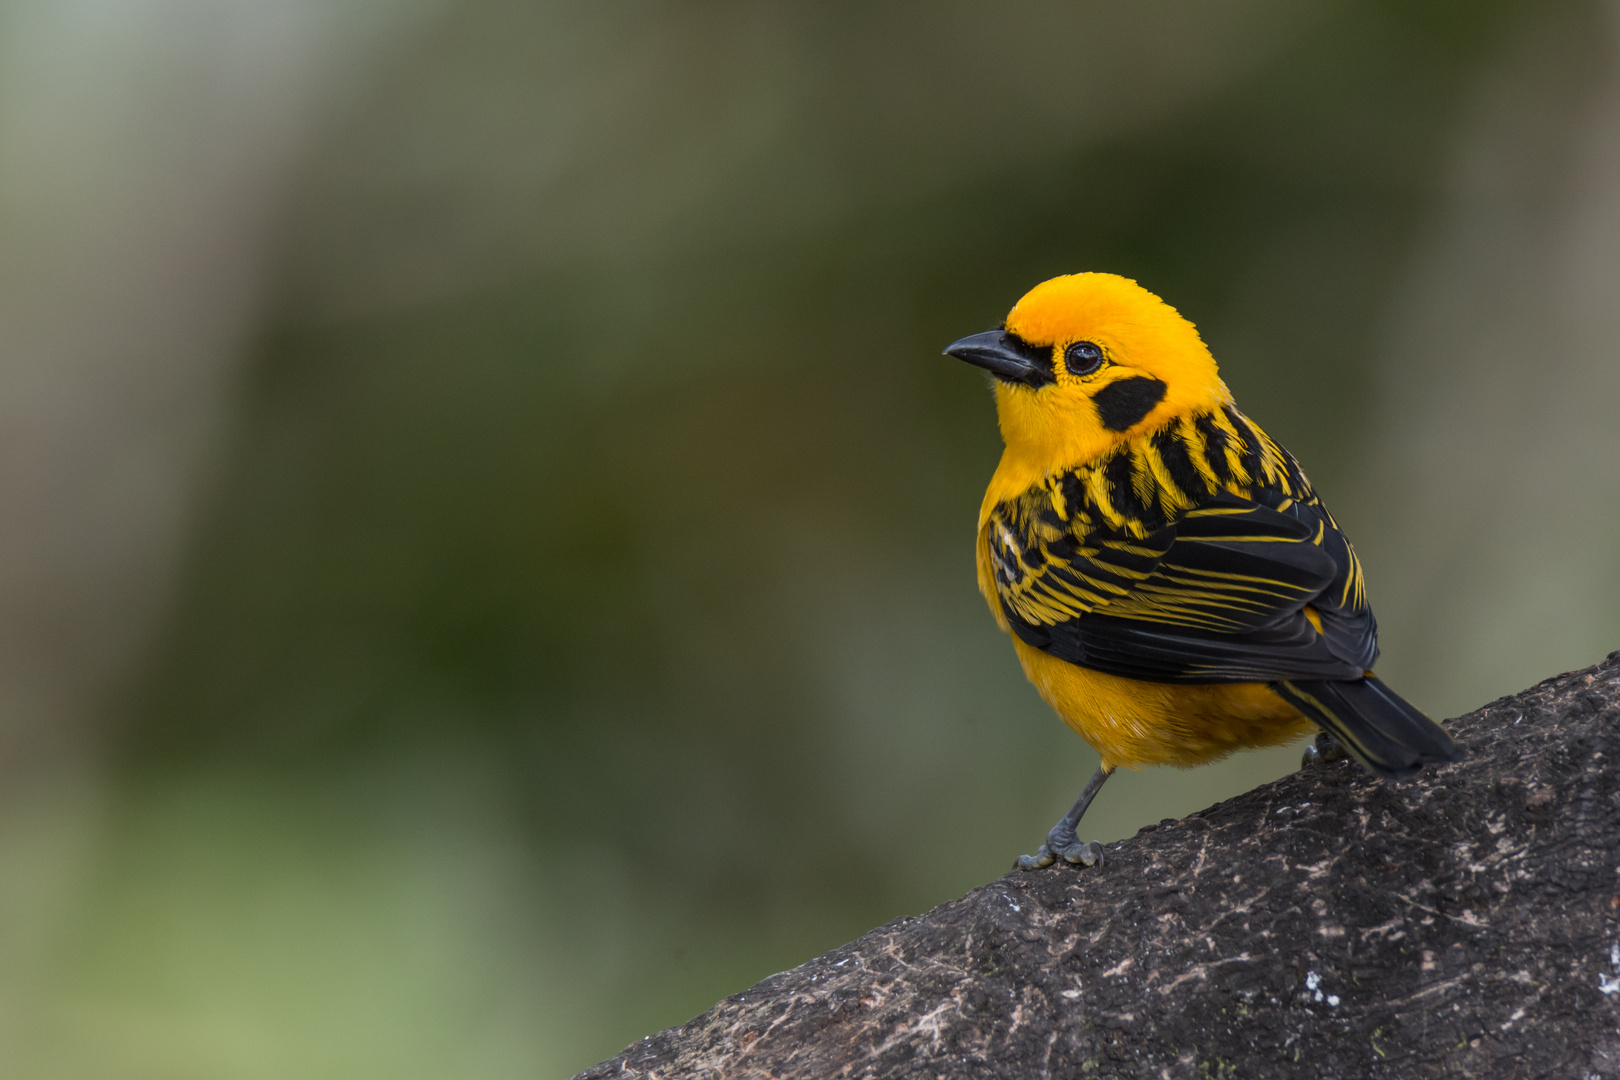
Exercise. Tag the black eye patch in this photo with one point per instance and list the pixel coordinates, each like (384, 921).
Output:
(1039, 356)
(1124, 403)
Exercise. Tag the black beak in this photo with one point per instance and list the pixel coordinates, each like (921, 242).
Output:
(1006, 356)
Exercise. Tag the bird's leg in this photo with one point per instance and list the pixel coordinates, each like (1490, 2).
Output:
(1062, 842)
(1323, 751)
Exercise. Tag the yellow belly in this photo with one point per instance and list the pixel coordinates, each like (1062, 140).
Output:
(1133, 723)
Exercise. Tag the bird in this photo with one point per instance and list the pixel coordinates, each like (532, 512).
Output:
(1174, 587)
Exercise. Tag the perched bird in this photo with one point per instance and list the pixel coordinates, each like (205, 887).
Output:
(1173, 585)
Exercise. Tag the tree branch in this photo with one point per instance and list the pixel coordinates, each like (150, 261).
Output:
(1463, 923)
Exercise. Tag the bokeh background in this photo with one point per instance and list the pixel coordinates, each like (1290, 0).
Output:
(486, 560)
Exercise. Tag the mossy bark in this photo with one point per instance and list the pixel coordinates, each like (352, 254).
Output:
(1462, 923)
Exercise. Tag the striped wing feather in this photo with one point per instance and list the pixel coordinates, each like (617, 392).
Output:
(1186, 557)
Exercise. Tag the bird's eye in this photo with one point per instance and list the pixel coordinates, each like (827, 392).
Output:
(1082, 358)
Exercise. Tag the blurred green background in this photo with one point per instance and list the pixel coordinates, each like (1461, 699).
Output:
(488, 567)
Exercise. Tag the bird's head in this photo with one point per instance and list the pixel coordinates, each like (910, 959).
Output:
(1086, 360)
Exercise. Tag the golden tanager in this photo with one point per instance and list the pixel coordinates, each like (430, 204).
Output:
(1173, 585)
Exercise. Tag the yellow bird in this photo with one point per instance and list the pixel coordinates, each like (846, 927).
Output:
(1173, 585)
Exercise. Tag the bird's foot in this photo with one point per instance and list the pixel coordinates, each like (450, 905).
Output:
(1323, 751)
(1062, 843)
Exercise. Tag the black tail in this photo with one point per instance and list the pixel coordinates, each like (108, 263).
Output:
(1378, 727)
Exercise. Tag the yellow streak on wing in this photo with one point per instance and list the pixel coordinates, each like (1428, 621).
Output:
(1060, 503)
(1130, 549)
(1354, 584)
(1234, 458)
(1037, 606)
(1275, 458)
(1096, 485)
(1272, 468)
(1143, 483)
(1090, 599)
(1172, 500)
(1121, 571)
(1104, 586)
(1181, 615)
(1198, 451)
(1206, 601)
(1223, 575)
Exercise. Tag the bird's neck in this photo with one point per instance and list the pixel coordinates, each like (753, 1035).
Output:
(1036, 456)
(1174, 464)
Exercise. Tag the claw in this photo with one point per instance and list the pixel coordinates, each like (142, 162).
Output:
(1323, 751)
(1083, 854)
(1042, 858)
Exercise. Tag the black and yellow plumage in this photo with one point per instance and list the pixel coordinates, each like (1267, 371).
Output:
(1175, 587)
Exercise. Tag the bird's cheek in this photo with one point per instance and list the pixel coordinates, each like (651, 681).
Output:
(1123, 403)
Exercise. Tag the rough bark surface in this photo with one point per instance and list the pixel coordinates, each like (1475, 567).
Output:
(1463, 923)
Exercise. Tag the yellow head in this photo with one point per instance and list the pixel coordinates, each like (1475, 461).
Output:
(1087, 360)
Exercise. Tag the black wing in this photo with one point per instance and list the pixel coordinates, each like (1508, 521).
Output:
(1216, 594)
